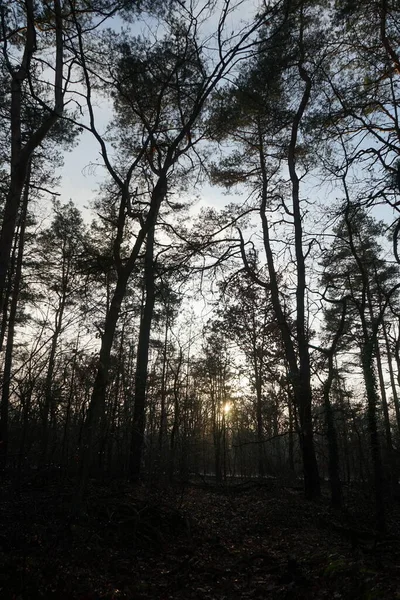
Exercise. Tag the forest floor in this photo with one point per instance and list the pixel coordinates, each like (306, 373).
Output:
(253, 541)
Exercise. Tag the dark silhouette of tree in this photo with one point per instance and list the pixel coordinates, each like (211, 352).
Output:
(273, 99)
(246, 316)
(355, 269)
(160, 102)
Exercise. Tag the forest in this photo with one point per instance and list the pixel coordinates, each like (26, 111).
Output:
(200, 358)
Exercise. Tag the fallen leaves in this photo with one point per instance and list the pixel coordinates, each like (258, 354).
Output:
(259, 544)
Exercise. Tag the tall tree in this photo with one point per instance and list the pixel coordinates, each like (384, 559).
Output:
(354, 267)
(23, 27)
(160, 92)
(247, 316)
(59, 249)
(267, 115)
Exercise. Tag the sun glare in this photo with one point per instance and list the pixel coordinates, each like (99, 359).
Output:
(227, 408)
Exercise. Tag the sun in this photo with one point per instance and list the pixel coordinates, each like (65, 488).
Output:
(227, 408)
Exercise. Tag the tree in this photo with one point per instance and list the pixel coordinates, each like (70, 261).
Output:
(160, 93)
(38, 65)
(335, 325)
(149, 292)
(354, 268)
(5, 389)
(59, 249)
(22, 27)
(217, 374)
(39, 182)
(360, 105)
(268, 117)
(246, 314)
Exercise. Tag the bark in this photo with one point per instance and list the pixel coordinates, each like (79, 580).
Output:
(139, 412)
(303, 394)
(377, 467)
(291, 441)
(217, 431)
(163, 424)
(64, 443)
(370, 327)
(6, 302)
(345, 432)
(299, 374)
(257, 364)
(26, 403)
(5, 391)
(175, 425)
(111, 425)
(333, 457)
(224, 446)
(386, 419)
(392, 378)
(217, 456)
(260, 436)
(97, 400)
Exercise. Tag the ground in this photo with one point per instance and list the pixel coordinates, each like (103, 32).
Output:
(252, 541)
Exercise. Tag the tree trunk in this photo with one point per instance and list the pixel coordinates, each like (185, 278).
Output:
(298, 362)
(111, 426)
(64, 443)
(392, 378)
(139, 412)
(175, 425)
(386, 419)
(291, 440)
(345, 433)
(302, 384)
(26, 402)
(217, 457)
(6, 302)
(97, 401)
(5, 391)
(333, 458)
(89, 436)
(48, 407)
(260, 432)
(310, 467)
(372, 398)
(163, 423)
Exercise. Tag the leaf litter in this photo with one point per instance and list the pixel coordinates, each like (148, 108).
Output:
(194, 542)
